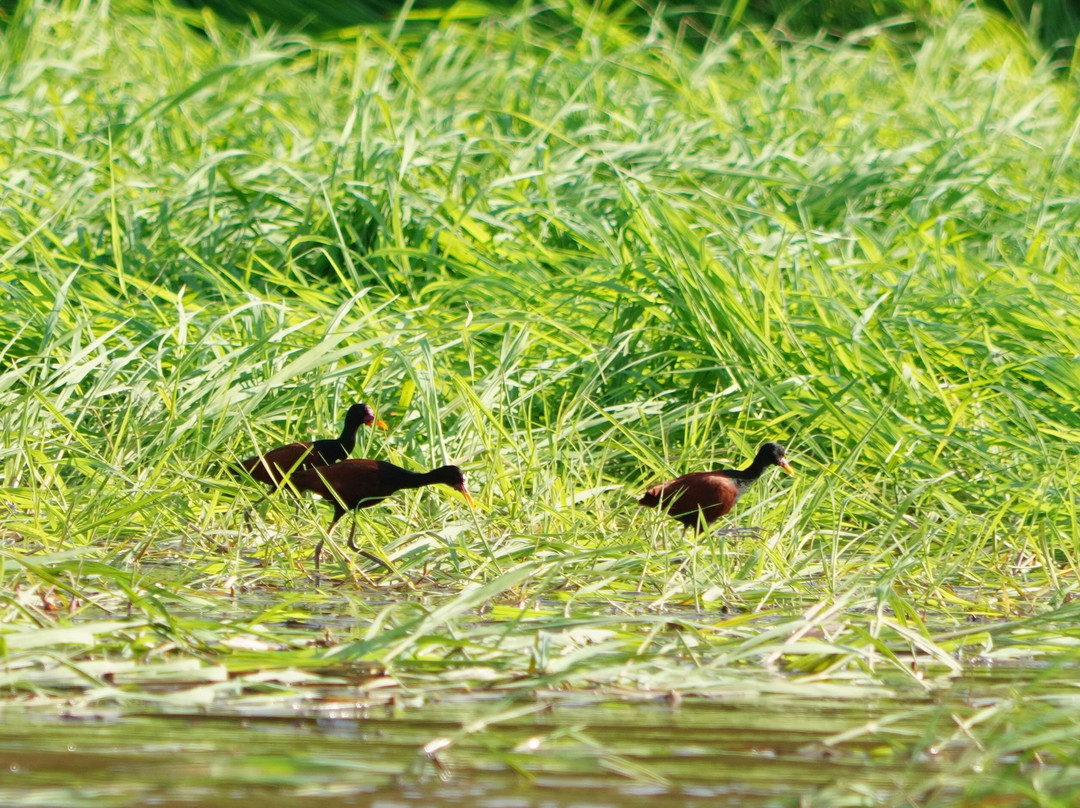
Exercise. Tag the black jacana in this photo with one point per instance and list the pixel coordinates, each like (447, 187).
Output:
(354, 484)
(275, 466)
(700, 498)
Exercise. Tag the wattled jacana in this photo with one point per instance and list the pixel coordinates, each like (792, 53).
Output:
(273, 467)
(354, 484)
(700, 498)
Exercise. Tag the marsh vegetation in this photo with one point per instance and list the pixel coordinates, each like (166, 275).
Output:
(574, 261)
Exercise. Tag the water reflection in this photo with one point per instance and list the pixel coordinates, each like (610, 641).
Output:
(554, 750)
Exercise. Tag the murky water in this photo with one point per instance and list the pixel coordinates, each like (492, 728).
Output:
(1004, 735)
(554, 750)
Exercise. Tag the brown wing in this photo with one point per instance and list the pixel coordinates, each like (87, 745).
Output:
(355, 483)
(696, 499)
(272, 467)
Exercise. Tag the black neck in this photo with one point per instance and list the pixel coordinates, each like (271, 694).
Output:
(403, 478)
(751, 472)
(347, 438)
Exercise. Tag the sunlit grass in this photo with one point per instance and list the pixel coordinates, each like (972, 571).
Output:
(574, 265)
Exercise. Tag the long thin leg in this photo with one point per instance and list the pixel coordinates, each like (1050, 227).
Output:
(365, 553)
(352, 546)
(248, 524)
(318, 547)
(375, 559)
(352, 535)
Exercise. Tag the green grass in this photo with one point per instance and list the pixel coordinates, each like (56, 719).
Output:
(574, 265)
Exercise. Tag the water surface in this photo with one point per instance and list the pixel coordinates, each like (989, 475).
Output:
(548, 749)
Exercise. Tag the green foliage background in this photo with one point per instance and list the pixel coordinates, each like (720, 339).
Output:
(574, 260)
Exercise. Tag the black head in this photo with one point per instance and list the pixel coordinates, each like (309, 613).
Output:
(361, 415)
(772, 454)
(453, 477)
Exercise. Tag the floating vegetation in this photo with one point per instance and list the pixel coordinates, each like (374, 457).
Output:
(575, 263)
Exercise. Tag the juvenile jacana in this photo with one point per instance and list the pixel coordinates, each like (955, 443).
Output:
(354, 484)
(700, 498)
(273, 467)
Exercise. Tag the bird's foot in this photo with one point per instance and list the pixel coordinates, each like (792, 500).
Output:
(741, 531)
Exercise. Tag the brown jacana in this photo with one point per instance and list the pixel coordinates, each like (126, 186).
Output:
(700, 498)
(275, 466)
(354, 484)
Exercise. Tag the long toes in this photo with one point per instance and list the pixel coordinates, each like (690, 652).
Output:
(375, 558)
